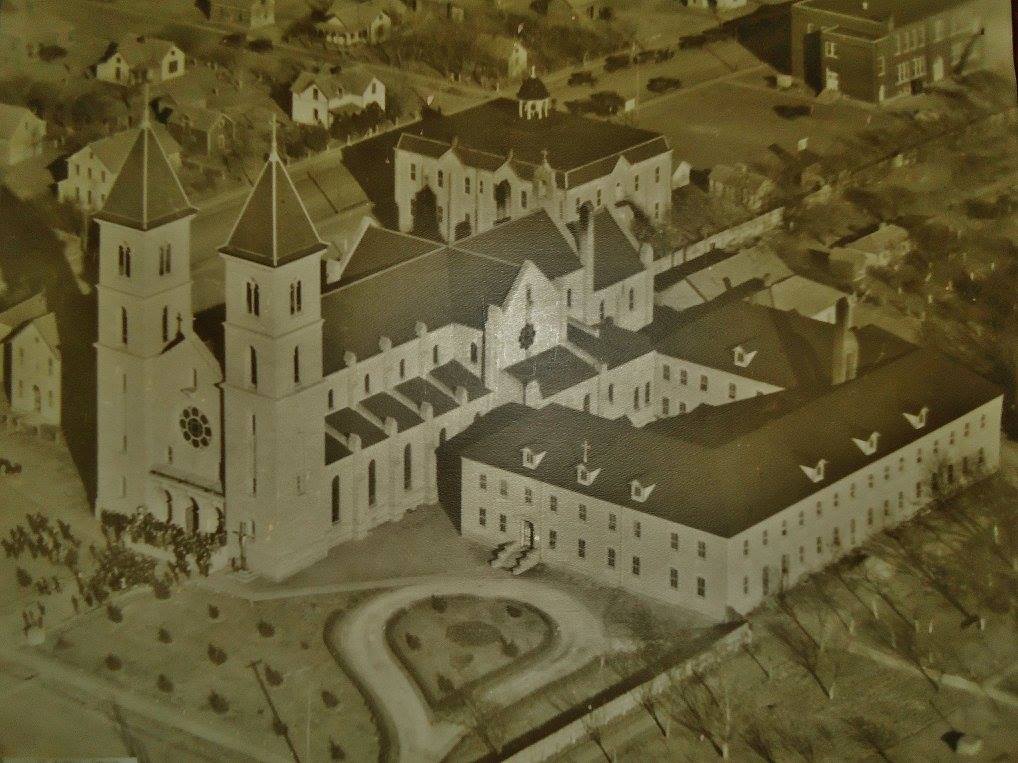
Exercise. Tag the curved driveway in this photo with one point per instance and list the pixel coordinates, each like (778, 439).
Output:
(359, 638)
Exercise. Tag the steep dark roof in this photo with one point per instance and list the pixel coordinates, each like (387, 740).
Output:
(572, 141)
(534, 237)
(381, 248)
(532, 89)
(555, 370)
(208, 325)
(418, 390)
(883, 11)
(147, 192)
(384, 405)
(438, 289)
(611, 344)
(705, 481)
(273, 228)
(616, 257)
(334, 450)
(347, 421)
(454, 374)
(791, 350)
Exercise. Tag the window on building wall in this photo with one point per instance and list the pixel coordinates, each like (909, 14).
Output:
(523, 199)
(503, 488)
(636, 182)
(552, 538)
(611, 558)
(441, 436)
(820, 545)
(331, 397)
(553, 503)
(732, 391)
(466, 185)
(123, 325)
(745, 547)
(599, 197)
(765, 580)
(434, 355)
(637, 529)
(335, 500)
(600, 311)
(441, 178)
(473, 352)
(664, 406)
(482, 517)
(701, 549)
(831, 49)
(296, 365)
(372, 483)
(413, 171)
(674, 541)
(408, 467)
(253, 298)
(581, 548)
(636, 399)
(764, 538)
(166, 324)
(482, 481)
(367, 384)
(646, 393)
(503, 523)
(569, 297)
(586, 403)
(703, 382)
(636, 565)
(632, 299)
(402, 368)
(582, 513)
(611, 393)
(528, 495)
(701, 587)
(612, 522)
(296, 300)
(124, 260)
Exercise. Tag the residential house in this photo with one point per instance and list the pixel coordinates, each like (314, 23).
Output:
(21, 134)
(803, 296)
(15, 317)
(888, 245)
(715, 5)
(738, 184)
(92, 170)
(201, 130)
(350, 23)
(315, 97)
(138, 59)
(716, 273)
(507, 54)
(880, 49)
(32, 357)
(245, 14)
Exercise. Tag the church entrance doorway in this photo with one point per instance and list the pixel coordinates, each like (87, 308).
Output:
(193, 516)
(529, 536)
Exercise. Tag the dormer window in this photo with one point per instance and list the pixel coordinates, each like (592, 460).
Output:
(918, 420)
(640, 492)
(741, 358)
(586, 476)
(816, 473)
(869, 445)
(531, 458)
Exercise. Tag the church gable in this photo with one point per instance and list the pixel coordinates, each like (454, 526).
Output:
(532, 317)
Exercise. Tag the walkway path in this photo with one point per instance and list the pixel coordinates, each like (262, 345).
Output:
(360, 640)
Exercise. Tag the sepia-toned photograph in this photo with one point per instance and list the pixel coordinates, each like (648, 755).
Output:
(464, 381)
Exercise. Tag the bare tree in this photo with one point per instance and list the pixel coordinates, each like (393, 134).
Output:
(806, 652)
(760, 742)
(875, 737)
(704, 711)
(483, 719)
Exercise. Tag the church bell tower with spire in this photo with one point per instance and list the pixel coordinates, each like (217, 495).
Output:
(274, 407)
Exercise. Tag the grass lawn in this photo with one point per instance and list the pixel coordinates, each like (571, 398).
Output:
(455, 643)
(181, 668)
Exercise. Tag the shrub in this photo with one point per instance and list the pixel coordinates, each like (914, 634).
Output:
(513, 611)
(216, 655)
(329, 699)
(24, 579)
(165, 636)
(218, 702)
(279, 727)
(438, 604)
(115, 613)
(164, 684)
(335, 751)
(509, 649)
(161, 590)
(266, 629)
(444, 684)
(261, 45)
(273, 677)
(113, 662)
(412, 642)
(213, 612)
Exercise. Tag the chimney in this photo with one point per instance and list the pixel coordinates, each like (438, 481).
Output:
(353, 442)
(384, 344)
(845, 352)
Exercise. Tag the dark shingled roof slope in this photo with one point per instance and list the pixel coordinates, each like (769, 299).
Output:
(611, 344)
(572, 141)
(418, 390)
(556, 370)
(534, 237)
(454, 374)
(380, 248)
(707, 482)
(347, 421)
(616, 257)
(384, 405)
(532, 89)
(334, 450)
(147, 192)
(274, 227)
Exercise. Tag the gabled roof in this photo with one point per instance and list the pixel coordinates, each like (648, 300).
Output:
(616, 254)
(454, 374)
(274, 227)
(112, 150)
(534, 237)
(140, 50)
(380, 248)
(352, 16)
(798, 294)
(12, 117)
(555, 370)
(612, 345)
(349, 79)
(16, 316)
(147, 192)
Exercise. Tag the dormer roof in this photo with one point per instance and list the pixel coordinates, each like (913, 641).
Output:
(147, 192)
(274, 227)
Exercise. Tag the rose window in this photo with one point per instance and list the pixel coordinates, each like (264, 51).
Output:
(195, 427)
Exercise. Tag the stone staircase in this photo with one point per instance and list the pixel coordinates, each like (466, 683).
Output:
(515, 558)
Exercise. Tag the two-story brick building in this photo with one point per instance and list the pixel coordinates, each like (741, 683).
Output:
(875, 50)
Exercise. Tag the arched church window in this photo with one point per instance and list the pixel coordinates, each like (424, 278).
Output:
(166, 324)
(193, 518)
(367, 384)
(473, 352)
(253, 298)
(335, 500)
(408, 467)
(253, 370)
(402, 368)
(296, 365)
(169, 508)
(569, 297)
(123, 325)
(632, 299)
(124, 260)
(371, 484)
(434, 355)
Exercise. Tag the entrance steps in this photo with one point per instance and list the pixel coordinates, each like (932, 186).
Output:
(527, 561)
(505, 554)
(514, 557)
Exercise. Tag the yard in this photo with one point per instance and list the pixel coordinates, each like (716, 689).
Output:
(453, 645)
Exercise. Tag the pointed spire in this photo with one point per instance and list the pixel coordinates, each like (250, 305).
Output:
(145, 122)
(273, 149)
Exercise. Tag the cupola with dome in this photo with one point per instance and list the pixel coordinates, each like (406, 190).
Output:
(533, 98)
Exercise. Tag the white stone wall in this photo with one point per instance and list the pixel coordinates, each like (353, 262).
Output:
(691, 394)
(35, 377)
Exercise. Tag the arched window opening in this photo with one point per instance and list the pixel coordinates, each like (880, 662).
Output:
(367, 384)
(408, 467)
(124, 260)
(296, 365)
(402, 368)
(193, 519)
(335, 500)
(441, 436)
(371, 484)
(473, 352)
(166, 324)
(434, 354)
(253, 298)
(123, 325)
(169, 508)
(253, 371)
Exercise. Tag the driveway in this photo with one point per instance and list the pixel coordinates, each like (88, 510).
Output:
(359, 638)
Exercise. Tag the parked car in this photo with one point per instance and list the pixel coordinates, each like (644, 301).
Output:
(644, 56)
(614, 63)
(692, 41)
(606, 102)
(664, 54)
(793, 111)
(582, 78)
(663, 84)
